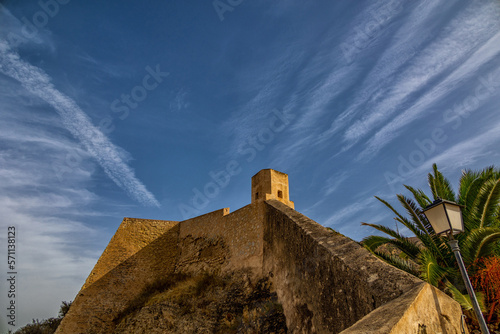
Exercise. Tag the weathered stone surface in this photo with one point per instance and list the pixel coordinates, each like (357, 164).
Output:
(217, 242)
(242, 232)
(422, 310)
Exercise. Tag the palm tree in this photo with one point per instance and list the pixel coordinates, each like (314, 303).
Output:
(428, 255)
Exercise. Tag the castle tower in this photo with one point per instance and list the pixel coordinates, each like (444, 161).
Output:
(271, 184)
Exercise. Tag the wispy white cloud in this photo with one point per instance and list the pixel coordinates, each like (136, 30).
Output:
(263, 92)
(345, 74)
(99, 70)
(55, 250)
(460, 41)
(317, 74)
(463, 155)
(318, 107)
(180, 101)
(77, 122)
(334, 181)
(14, 31)
(457, 40)
(423, 106)
(415, 60)
(467, 152)
(340, 217)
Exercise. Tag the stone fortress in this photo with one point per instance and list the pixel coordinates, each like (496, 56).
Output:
(325, 282)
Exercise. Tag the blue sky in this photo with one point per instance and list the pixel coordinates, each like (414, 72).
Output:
(165, 110)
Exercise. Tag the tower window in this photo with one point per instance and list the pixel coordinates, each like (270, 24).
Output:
(256, 196)
(280, 194)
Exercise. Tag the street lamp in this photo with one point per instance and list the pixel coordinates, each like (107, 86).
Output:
(445, 217)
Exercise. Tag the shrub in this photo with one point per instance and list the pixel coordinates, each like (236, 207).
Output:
(47, 326)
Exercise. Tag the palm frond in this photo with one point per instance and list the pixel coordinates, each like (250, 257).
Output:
(390, 207)
(385, 229)
(414, 212)
(470, 186)
(403, 244)
(372, 242)
(405, 265)
(464, 300)
(479, 193)
(492, 194)
(428, 239)
(410, 225)
(433, 186)
(430, 270)
(475, 213)
(420, 197)
(440, 186)
(481, 242)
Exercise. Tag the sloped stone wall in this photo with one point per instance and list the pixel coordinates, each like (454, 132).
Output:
(325, 281)
(102, 299)
(132, 235)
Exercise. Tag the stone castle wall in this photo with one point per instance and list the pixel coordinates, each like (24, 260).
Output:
(241, 232)
(144, 251)
(326, 282)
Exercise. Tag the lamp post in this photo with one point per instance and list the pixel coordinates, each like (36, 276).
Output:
(445, 217)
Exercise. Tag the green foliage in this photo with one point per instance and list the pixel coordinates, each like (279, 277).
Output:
(47, 326)
(464, 299)
(429, 256)
(64, 309)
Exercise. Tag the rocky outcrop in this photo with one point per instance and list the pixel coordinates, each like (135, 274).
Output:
(204, 303)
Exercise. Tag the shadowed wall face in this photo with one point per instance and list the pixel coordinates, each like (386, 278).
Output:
(97, 304)
(325, 281)
(132, 235)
